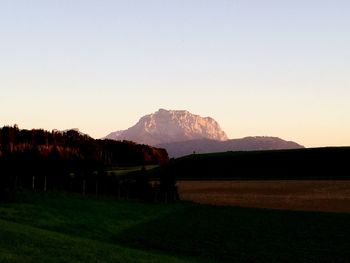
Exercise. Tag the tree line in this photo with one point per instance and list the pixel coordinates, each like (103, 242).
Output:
(74, 162)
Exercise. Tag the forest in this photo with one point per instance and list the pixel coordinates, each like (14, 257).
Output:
(74, 162)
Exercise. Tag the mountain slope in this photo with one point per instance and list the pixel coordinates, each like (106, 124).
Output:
(166, 126)
(178, 149)
(182, 133)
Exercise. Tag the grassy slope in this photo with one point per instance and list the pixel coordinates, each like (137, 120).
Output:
(68, 228)
(22, 243)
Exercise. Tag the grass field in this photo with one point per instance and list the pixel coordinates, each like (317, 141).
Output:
(291, 195)
(120, 171)
(70, 228)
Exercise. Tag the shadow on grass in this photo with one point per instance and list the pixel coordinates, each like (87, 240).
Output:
(229, 234)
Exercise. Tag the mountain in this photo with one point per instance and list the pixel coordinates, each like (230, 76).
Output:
(181, 133)
(167, 126)
(114, 135)
(178, 149)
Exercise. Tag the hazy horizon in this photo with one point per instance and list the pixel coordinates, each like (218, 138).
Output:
(259, 68)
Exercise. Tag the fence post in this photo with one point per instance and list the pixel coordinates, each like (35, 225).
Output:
(16, 182)
(83, 187)
(45, 184)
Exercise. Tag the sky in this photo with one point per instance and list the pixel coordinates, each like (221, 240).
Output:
(268, 68)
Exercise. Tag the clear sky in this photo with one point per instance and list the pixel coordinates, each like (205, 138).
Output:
(279, 68)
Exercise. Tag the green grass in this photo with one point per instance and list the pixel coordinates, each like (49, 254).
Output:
(70, 228)
(22, 243)
(121, 171)
(246, 235)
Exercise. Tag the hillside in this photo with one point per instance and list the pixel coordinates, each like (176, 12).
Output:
(56, 228)
(312, 163)
(178, 149)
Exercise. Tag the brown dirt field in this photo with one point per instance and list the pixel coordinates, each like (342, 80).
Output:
(330, 196)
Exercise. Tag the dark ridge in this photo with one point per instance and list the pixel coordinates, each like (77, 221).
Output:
(178, 149)
(313, 163)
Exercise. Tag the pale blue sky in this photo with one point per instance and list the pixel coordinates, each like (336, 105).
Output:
(279, 68)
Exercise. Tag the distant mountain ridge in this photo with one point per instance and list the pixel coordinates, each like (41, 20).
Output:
(165, 126)
(181, 133)
(178, 149)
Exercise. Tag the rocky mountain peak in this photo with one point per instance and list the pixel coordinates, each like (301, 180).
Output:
(166, 126)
